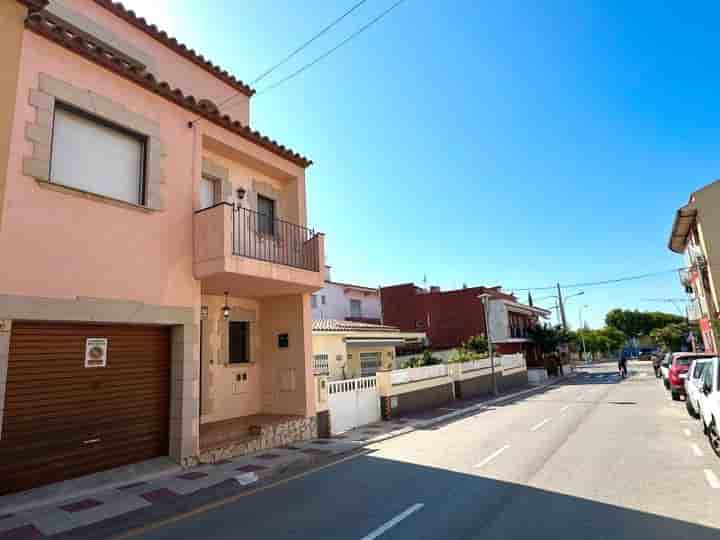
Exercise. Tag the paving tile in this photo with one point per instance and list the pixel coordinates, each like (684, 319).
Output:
(130, 486)
(251, 468)
(113, 507)
(267, 456)
(50, 520)
(84, 504)
(192, 475)
(158, 495)
(316, 451)
(26, 532)
(12, 522)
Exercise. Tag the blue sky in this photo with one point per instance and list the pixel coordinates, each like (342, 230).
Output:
(488, 143)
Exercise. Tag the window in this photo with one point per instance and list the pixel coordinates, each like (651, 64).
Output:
(208, 192)
(313, 300)
(322, 299)
(239, 342)
(369, 363)
(266, 215)
(320, 364)
(356, 308)
(97, 157)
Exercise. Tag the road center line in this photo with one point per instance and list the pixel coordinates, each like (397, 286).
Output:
(394, 521)
(492, 456)
(541, 424)
(696, 450)
(687, 433)
(712, 479)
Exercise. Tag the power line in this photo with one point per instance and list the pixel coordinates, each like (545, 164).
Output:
(603, 282)
(329, 52)
(308, 42)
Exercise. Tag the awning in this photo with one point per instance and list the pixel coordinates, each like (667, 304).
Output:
(374, 342)
(684, 219)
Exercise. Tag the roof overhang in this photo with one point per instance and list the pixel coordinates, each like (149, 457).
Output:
(683, 223)
(525, 309)
(374, 342)
(513, 340)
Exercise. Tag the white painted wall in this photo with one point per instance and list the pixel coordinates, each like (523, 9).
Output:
(337, 303)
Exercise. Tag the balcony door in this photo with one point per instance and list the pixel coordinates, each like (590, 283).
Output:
(208, 192)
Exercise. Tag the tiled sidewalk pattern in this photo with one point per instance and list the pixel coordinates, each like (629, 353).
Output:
(44, 521)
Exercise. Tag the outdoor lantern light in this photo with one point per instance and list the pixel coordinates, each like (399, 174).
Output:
(226, 308)
(241, 194)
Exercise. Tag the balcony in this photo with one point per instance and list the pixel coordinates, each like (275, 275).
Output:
(273, 257)
(694, 311)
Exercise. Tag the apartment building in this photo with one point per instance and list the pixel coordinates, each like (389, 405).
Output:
(695, 235)
(346, 302)
(156, 262)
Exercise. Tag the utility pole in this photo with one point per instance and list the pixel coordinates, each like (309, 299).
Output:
(562, 308)
(485, 297)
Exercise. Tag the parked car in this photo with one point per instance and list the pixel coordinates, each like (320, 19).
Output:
(693, 385)
(709, 404)
(677, 367)
(665, 369)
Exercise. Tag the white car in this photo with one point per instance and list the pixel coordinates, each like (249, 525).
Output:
(693, 384)
(709, 403)
(665, 369)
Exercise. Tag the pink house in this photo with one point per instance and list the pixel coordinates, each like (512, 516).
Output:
(156, 264)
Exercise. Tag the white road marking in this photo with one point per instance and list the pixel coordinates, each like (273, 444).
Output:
(696, 450)
(687, 432)
(541, 424)
(712, 480)
(565, 408)
(580, 396)
(492, 456)
(394, 521)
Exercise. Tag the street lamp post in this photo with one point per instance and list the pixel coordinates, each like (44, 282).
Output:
(485, 297)
(580, 328)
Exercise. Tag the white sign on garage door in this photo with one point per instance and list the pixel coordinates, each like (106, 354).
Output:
(353, 403)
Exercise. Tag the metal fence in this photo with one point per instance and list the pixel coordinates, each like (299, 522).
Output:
(258, 236)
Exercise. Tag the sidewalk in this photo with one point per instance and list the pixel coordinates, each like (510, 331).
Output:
(29, 520)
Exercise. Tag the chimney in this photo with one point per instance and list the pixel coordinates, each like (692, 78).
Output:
(434, 289)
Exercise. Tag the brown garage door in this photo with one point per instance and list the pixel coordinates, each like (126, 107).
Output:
(64, 420)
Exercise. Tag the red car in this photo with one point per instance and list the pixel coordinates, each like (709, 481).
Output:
(678, 372)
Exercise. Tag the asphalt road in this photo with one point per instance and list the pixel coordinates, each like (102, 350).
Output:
(595, 457)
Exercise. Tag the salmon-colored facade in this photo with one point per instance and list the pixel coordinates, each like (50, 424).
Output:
(73, 255)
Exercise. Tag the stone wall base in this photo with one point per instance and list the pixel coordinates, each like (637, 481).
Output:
(477, 386)
(516, 380)
(419, 400)
(271, 436)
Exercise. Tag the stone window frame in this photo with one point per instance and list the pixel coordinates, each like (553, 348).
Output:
(40, 132)
(221, 176)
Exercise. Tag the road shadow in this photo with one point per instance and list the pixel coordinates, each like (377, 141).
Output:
(353, 498)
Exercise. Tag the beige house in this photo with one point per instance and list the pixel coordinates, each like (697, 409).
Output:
(348, 349)
(695, 234)
(156, 265)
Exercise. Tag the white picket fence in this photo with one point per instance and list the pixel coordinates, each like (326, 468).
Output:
(353, 403)
(402, 376)
(512, 361)
(474, 365)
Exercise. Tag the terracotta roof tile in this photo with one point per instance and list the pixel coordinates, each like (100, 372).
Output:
(61, 33)
(129, 16)
(334, 325)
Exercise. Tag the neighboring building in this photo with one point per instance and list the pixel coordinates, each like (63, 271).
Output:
(451, 317)
(349, 349)
(129, 207)
(344, 301)
(696, 235)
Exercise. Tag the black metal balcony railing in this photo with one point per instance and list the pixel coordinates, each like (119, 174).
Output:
(259, 236)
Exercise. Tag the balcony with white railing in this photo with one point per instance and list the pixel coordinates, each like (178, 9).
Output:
(273, 257)
(694, 311)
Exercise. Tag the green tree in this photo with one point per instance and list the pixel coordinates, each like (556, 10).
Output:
(673, 336)
(639, 323)
(548, 338)
(477, 344)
